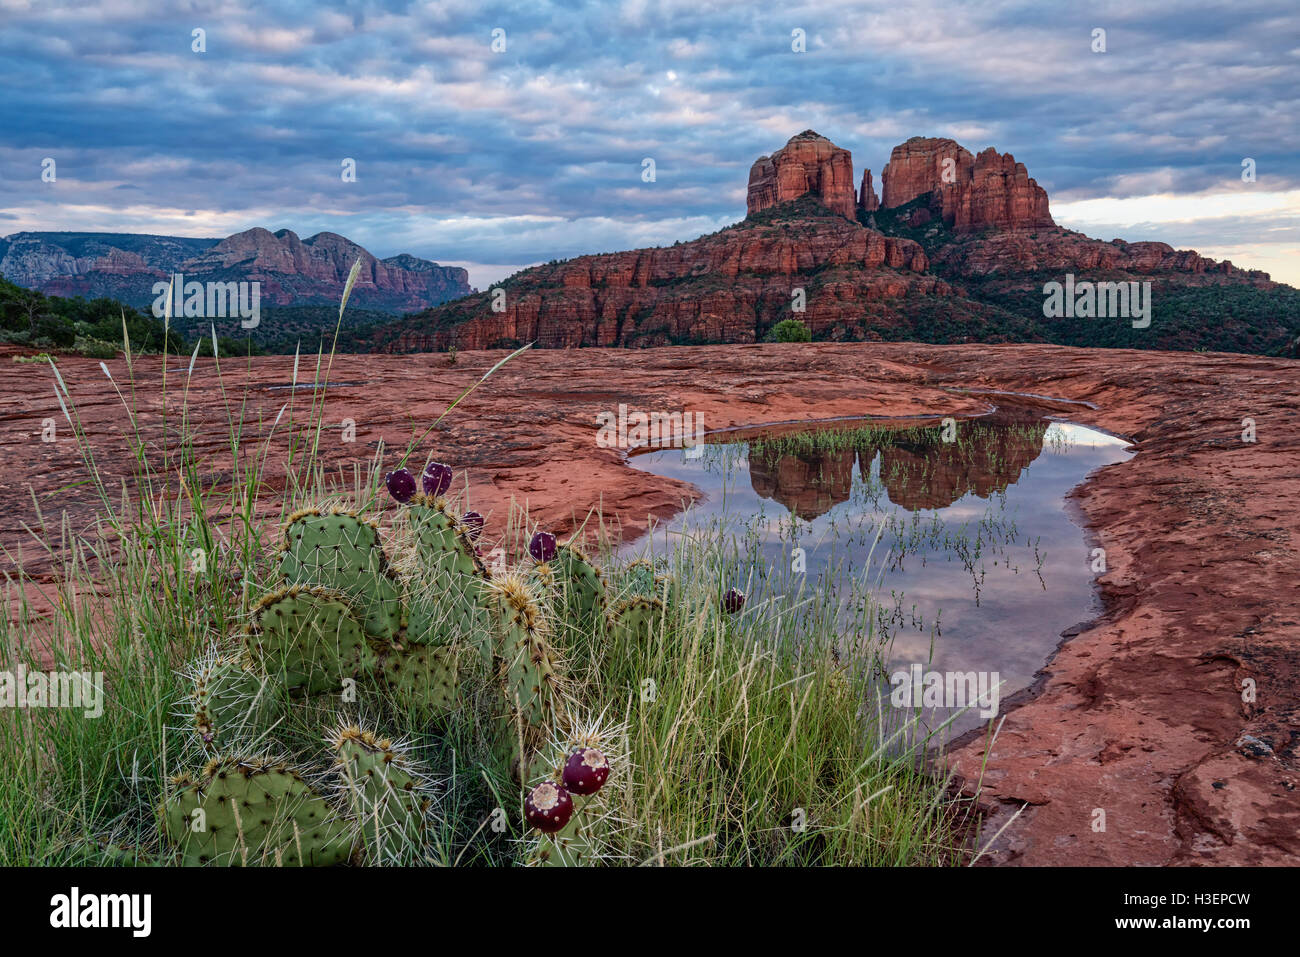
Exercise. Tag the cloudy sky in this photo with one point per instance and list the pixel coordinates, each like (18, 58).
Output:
(495, 159)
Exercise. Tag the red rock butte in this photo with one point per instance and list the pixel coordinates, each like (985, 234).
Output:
(991, 190)
(982, 216)
(988, 191)
(809, 163)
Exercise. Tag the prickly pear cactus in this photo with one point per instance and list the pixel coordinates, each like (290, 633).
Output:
(248, 812)
(638, 578)
(579, 780)
(637, 620)
(429, 678)
(583, 586)
(229, 699)
(308, 639)
(525, 661)
(339, 551)
(446, 602)
(389, 797)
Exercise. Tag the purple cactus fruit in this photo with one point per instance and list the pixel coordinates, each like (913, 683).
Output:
(542, 547)
(473, 523)
(586, 771)
(401, 485)
(548, 807)
(436, 479)
(733, 600)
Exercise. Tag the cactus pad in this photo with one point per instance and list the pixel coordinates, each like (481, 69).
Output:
(388, 798)
(427, 677)
(584, 587)
(339, 551)
(446, 600)
(637, 620)
(308, 639)
(638, 578)
(526, 663)
(251, 812)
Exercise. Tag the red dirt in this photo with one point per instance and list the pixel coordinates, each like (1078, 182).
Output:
(1140, 714)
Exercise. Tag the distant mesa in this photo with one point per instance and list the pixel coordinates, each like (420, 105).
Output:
(292, 271)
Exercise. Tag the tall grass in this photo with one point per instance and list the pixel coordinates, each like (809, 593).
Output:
(745, 740)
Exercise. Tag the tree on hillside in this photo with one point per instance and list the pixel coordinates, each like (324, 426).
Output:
(789, 330)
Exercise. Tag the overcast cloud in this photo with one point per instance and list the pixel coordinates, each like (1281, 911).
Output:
(497, 160)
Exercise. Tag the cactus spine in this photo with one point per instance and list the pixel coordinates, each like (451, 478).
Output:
(229, 698)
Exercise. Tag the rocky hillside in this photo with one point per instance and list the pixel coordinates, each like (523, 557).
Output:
(293, 272)
(957, 247)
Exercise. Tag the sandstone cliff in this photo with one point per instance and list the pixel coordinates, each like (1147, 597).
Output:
(731, 286)
(1059, 250)
(990, 190)
(809, 163)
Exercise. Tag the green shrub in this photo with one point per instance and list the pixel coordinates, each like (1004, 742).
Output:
(789, 330)
(95, 348)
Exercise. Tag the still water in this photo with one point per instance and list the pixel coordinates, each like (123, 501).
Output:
(967, 548)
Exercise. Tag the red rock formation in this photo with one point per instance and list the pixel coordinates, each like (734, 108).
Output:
(1059, 250)
(868, 202)
(292, 269)
(808, 163)
(991, 190)
(731, 286)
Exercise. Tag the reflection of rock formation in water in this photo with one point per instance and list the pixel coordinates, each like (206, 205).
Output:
(918, 472)
(808, 484)
(929, 473)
